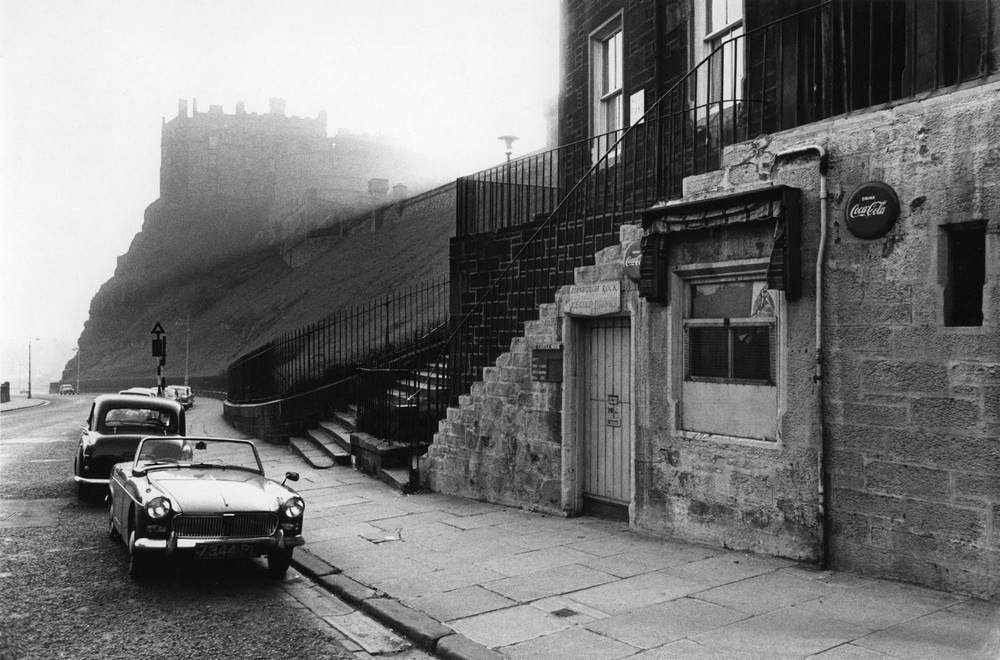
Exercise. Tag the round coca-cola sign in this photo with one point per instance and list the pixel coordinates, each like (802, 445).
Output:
(871, 210)
(631, 260)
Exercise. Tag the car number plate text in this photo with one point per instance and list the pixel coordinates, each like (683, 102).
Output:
(221, 550)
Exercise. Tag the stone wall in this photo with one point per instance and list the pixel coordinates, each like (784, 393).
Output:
(910, 407)
(502, 442)
(909, 410)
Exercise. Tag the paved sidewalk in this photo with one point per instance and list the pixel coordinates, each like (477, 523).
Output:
(515, 584)
(19, 403)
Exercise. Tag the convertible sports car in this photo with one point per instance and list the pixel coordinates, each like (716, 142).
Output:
(112, 432)
(204, 498)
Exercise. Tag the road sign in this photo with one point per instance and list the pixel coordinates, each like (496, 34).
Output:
(157, 329)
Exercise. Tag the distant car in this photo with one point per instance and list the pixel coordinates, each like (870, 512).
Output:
(139, 391)
(112, 432)
(66, 388)
(182, 394)
(205, 498)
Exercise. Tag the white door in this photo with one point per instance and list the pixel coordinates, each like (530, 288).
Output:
(607, 406)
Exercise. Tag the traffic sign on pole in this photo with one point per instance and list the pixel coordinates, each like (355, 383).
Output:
(159, 351)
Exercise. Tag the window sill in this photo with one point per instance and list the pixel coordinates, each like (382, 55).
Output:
(730, 439)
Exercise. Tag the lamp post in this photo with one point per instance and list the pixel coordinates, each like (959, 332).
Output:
(29, 364)
(508, 141)
(77, 349)
(187, 344)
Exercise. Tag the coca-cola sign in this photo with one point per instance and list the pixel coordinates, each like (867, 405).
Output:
(871, 210)
(631, 260)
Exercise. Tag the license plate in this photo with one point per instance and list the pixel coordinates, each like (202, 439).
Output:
(222, 550)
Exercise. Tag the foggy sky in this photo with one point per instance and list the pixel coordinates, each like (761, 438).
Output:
(85, 85)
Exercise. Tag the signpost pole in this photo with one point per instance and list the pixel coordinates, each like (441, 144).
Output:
(159, 351)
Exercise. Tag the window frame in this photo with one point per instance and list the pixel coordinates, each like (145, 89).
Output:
(704, 42)
(729, 323)
(682, 277)
(598, 63)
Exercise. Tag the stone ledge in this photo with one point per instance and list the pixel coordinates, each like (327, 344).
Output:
(309, 564)
(460, 647)
(416, 625)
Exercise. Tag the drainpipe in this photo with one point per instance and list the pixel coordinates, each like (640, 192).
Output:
(823, 456)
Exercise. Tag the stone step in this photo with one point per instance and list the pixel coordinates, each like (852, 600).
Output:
(310, 453)
(340, 433)
(328, 445)
(347, 418)
(398, 478)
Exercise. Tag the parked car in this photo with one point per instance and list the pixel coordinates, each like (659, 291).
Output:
(139, 391)
(66, 388)
(205, 498)
(182, 394)
(112, 432)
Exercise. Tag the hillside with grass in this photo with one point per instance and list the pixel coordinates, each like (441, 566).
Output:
(233, 294)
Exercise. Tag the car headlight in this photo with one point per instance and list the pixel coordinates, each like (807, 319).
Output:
(158, 508)
(293, 508)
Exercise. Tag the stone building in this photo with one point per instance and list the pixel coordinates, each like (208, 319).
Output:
(286, 168)
(784, 336)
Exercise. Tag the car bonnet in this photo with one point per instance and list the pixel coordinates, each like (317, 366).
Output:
(217, 491)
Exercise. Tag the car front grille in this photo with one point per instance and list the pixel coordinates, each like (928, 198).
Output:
(239, 525)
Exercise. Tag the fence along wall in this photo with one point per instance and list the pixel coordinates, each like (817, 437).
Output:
(333, 348)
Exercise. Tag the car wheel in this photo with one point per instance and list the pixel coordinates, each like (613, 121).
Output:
(112, 532)
(278, 562)
(139, 563)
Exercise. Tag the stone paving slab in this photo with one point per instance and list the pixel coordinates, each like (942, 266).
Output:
(588, 588)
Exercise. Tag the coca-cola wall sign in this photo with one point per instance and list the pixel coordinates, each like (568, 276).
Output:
(631, 260)
(871, 210)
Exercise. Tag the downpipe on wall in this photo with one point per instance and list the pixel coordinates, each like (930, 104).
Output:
(823, 455)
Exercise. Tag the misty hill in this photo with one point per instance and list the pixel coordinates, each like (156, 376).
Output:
(238, 293)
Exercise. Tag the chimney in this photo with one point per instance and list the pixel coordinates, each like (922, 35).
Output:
(182, 108)
(277, 106)
(378, 187)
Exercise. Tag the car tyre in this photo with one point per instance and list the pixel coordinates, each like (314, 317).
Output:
(112, 532)
(278, 562)
(139, 563)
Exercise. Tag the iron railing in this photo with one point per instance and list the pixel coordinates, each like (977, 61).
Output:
(331, 349)
(798, 69)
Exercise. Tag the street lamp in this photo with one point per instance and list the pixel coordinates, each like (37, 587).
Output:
(29, 364)
(508, 141)
(77, 350)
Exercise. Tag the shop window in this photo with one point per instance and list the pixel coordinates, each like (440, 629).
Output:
(729, 336)
(965, 273)
(730, 332)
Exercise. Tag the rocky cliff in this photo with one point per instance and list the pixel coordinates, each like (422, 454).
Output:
(206, 272)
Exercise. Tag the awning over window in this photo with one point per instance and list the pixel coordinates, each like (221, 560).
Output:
(666, 223)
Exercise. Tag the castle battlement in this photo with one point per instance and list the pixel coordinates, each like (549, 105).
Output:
(268, 161)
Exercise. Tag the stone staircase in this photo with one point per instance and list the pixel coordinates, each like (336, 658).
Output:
(329, 443)
(502, 442)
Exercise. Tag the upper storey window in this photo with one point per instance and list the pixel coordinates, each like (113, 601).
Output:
(722, 27)
(607, 90)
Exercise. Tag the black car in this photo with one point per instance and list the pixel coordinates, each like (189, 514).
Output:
(116, 424)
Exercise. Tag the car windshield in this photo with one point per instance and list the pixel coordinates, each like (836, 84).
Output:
(164, 421)
(198, 452)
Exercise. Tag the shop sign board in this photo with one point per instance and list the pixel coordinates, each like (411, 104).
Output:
(595, 299)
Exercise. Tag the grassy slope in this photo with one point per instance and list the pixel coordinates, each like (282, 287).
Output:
(240, 304)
